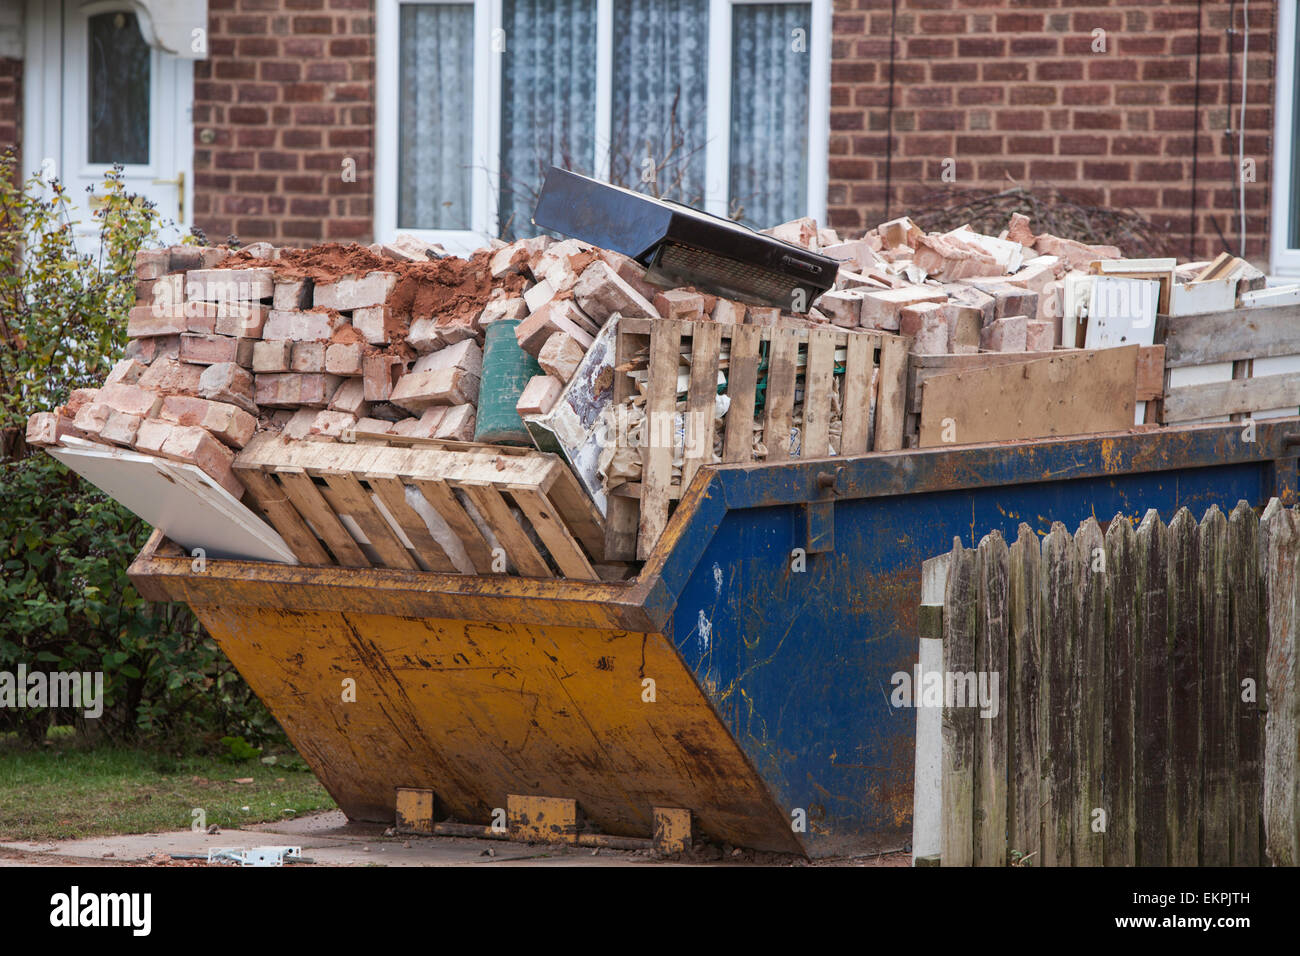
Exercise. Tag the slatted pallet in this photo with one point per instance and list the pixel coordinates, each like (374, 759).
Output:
(373, 504)
(1230, 364)
(767, 372)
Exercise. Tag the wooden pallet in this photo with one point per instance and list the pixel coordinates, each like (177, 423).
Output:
(922, 368)
(768, 372)
(351, 505)
(1230, 364)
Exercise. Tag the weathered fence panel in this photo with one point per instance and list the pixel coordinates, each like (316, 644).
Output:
(1133, 671)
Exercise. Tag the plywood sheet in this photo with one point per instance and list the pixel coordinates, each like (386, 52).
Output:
(1074, 393)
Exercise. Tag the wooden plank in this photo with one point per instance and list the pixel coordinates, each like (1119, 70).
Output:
(779, 396)
(1148, 387)
(1222, 265)
(991, 655)
(392, 492)
(1185, 691)
(275, 504)
(1218, 693)
(520, 551)
(1280, 547)
(1245, 643)
(563, 548)
(443, 500)
(359, 506)
(269, 450)
(742, 380)
(1068, 394)
(307, 498)
(1024, 755)
(1120, 692)
(1060, 698)
(1230, 336)
(578, 512)
(1090, 684)
(701, 398)
(818, 380)
(1226, 398)
(622, 515)
(859, 363)
(1150, 373)
(958, 760)
(891, 388)
(661, 403)
(1152, 705)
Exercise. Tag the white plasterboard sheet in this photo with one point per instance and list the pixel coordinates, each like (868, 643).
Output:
(1121, 312)
(193, 511)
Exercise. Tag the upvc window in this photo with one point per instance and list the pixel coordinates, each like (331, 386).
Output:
(1285, 220)
(721, 104)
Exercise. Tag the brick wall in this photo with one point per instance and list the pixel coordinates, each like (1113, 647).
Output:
(1012, 88)
(284, 98)
(11, 104)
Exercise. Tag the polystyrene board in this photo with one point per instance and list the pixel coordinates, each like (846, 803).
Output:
(193, 511)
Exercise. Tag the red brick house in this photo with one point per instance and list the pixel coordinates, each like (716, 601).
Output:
(298, 121)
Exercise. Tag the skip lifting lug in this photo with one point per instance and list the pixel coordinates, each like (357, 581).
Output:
(820, 513)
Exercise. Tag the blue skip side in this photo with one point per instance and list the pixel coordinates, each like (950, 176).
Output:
(799, 662)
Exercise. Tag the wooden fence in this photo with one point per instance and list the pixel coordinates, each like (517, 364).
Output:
(1148, 701)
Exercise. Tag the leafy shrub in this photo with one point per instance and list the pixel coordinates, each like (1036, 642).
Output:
(65, 601)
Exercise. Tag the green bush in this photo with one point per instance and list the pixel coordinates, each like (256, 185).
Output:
(65, 600)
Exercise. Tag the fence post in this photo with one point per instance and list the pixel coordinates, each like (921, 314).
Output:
(1120, 692)
(1185, 693)
(1218, 715)
(1024, 821)
(1061, 698)
(1090, 584)
(991, 728)
(958, 722)
(1152, 711)
(1278, 541)
(1244, 623)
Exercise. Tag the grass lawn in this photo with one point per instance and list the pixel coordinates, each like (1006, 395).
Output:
(63, 791)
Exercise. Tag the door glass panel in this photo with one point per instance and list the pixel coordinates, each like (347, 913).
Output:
(119, 90)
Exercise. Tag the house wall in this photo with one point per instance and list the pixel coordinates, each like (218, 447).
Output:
(1015, 91)
(283, 101)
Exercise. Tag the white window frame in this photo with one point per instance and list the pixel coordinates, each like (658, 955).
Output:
(485, 173)
(1285, 260)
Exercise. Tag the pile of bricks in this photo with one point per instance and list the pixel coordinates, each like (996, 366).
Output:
(224, 345)
(959, 292)
(326, 343)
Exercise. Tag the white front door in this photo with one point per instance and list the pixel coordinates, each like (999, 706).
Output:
(111, 98)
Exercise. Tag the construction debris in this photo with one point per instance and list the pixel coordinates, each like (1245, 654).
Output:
(322, 344)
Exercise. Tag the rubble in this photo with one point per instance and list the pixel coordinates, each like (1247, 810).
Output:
(318, 343)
